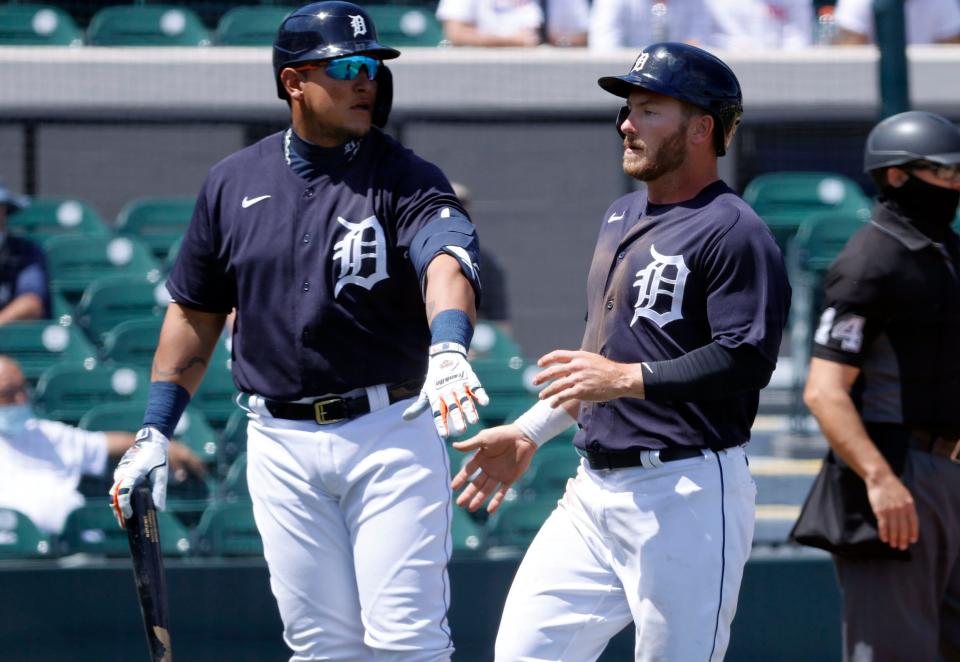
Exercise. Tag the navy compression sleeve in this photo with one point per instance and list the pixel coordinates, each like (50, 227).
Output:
(712, 372)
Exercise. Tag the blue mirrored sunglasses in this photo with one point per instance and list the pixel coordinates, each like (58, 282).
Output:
(346, 68)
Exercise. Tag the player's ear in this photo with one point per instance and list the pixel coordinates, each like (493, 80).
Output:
(292, 82)
(897, 177)
(701, 129)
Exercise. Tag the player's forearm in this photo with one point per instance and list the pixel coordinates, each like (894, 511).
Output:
(841, 425)
(24, 307)
(448, 289)
(187, 341)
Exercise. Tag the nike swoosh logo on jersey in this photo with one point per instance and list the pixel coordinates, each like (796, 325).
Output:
(616, 217)
(249, 202)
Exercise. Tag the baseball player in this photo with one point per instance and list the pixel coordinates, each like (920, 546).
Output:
(687, 300)
(352, 268)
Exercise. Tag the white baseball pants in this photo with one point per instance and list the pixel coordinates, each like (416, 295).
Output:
(662, 547)
(355, 521)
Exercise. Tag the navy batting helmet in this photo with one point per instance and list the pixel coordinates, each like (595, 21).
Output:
(328, 30)
(912, 136)
(687, 73)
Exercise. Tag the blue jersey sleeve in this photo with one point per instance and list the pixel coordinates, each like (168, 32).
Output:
(431, 221)
(201, 277)
(748, 295)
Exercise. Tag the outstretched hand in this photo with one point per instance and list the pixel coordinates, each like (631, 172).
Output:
(502, 455)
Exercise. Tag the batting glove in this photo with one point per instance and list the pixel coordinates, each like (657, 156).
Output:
(450, 390)
(145, 460)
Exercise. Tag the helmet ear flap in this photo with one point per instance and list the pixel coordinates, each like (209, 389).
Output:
(384, 100)
(621, 118)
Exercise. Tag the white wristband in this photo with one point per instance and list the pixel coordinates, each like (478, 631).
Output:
(441, 347)
(541, 422)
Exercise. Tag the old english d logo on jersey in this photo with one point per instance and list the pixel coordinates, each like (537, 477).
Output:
(661, 283)
(361, 254)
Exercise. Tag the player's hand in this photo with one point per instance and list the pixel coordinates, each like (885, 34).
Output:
(184, 462)
(451, 390)
(579, 375)
(145, 460)
(896, 513)
(502, 455)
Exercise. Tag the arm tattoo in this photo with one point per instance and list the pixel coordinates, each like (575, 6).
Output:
(179, 370)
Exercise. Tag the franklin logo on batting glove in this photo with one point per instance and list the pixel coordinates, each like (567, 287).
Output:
(450, 390)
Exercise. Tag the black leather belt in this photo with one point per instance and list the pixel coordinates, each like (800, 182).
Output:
(636, 457)
(334, 409)
(936, 444)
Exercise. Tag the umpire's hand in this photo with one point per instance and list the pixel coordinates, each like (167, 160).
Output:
(503, 455)
(450, 390)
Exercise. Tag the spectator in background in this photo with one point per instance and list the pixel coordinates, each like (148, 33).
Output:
(514, 22)
(761, 24)
(927, 21)
(24, 287)
(638, 23)
(494, 306)
(41, 461)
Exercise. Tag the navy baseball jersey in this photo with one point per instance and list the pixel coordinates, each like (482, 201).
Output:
(666, 280)
(320, 267)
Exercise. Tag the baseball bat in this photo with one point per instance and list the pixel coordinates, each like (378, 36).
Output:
(143, 534)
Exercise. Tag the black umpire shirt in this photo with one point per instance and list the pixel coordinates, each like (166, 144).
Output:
(893, 310)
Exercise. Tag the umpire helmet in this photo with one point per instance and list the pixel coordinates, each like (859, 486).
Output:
(332, 29)
(911, 136)
(687, 73)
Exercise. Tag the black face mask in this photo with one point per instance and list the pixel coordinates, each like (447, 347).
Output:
(925, 202)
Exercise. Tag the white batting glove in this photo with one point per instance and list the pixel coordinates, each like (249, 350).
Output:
(449, 390)
(145, 460)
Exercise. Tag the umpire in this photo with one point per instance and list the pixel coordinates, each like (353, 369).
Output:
(884, 383)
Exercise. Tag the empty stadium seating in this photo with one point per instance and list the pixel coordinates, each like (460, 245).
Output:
(20, 538)
(401, 26)
(37, 25)
(68, 391)
(75, 261)
(250, 26)
(113, 300)
(38, 345)
(227, 528)
(147, 25)
(158, 222)
(92, 529)
(48, 216)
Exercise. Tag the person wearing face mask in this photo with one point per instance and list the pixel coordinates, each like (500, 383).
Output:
(42, 461)
(24, 286)
(884, 383)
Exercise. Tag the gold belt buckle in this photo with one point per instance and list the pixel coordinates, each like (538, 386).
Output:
(320, 414)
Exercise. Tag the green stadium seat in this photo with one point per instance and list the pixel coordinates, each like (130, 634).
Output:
(37, 25)
(227, 528)
(147, 25)
(114, 300)
(553, 465)
(216, 393)
(67, 391)
(235, 483)
(75, 261)
(172, 255)
(401, 26)
(92, 529)
(157, 222)
(132, 342)
(250, 26)
(233, 442)
(506, 382)
(20, 538)
(819, 240)
(51, 216)
(517, 521)
(60, 311)
(193, 430)
(784, 199)
(467, 534)
(38, 345)
(492, 342)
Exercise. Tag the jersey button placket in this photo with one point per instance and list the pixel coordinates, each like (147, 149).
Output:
(609, 305)
(308, 193)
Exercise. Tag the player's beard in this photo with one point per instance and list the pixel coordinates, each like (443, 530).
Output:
(668, 157)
